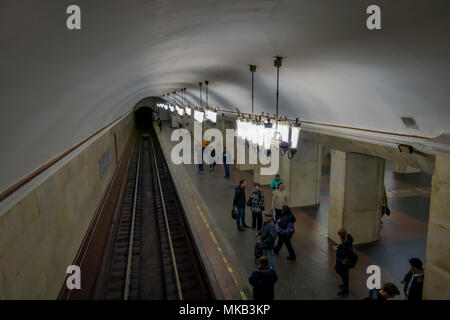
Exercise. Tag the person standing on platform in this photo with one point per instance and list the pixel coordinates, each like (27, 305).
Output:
(212, 166)
(413, 281)
(263, 280)
(226, 159)
(384, 206)
(268, 236)
(285, 230)
(160, 124)
(389, 291)
(257, 201)
(199, 149)
(275, 182)
(279, 199)
(342, 250)
(239, 205)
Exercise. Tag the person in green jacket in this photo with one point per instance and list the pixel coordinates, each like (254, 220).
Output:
(275, 182)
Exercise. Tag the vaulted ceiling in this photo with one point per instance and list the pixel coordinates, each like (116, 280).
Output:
(57, 86)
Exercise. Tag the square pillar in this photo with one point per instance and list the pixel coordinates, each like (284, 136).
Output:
(356, 192)
(302, 174)
(437, 264)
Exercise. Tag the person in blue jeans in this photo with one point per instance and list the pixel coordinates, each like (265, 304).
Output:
(268, 236)
(239, 205)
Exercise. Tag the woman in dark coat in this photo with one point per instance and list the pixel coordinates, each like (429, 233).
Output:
(341, 251)
(285, 230)
(263, 280)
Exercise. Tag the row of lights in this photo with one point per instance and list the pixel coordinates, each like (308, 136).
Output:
(199, 114)
(260, 131)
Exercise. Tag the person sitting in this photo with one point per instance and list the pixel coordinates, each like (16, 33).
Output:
(263, 280)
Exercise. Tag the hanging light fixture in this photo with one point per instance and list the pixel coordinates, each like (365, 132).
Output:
(294, 139)
(188, 110)
(198, 115)
(211, 115)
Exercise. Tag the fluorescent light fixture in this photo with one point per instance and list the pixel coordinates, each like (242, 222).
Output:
(188, 111)
(171, 108)
(166, 107)
(198, 115)
(283, 129)
(295, 132)
(268, 135)
(261, 131)
(253, 133)
(180, 111)
(211, 115)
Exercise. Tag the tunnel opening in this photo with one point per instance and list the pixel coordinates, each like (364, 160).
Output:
(143, 119)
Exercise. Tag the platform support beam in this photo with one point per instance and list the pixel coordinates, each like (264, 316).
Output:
(356, 193)
(437, 264)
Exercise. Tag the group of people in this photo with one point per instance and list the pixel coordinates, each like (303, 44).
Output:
(212, 167)
(278, 223)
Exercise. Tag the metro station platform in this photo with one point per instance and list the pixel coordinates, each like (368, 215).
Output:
(208, 197)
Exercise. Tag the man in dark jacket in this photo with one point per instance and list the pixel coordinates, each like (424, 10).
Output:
(389, 291)
(341, 252)
(285, 231)
(413, 281)
(239, 205)
(263, 280)
(268, 237)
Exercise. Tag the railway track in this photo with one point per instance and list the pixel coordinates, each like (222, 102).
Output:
(181, 273)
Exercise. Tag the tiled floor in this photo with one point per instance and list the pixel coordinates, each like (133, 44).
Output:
(312, 276)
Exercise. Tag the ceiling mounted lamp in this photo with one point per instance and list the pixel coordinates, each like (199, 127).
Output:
(171, 108)
(211, 115)
(198, 115)
(294, 139)
(188, 110)
(180, 110)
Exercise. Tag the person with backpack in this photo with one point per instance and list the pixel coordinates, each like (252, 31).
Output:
(389, 291)
(343, 252)
(256, 202)
(413, 281)
(285, 230)
(268, 235)
(239, 205)
(263, 280)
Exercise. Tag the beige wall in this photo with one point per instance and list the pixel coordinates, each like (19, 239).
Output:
(41, 234)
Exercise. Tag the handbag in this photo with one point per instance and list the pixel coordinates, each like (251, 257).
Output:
(249, 202)
(350, 259)
(234, 214)
(259, 250)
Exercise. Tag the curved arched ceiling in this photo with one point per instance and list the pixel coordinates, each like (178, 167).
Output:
(59, 86)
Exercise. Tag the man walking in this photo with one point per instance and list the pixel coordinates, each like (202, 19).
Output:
(239, 205)
(268, 237)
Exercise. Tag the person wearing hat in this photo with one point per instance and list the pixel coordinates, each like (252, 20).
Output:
(413, 281)
(268, 236)
(263, 280)
(257, 205)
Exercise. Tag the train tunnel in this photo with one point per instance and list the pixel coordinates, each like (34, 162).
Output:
(132, 137)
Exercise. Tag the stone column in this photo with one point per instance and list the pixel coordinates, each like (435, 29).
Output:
(437, 264)
(356, 193)
(302, 174)
(402, 167)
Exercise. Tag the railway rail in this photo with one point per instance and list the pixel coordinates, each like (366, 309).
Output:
(182, 275)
